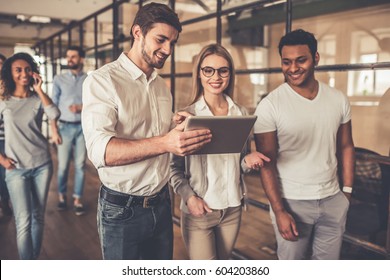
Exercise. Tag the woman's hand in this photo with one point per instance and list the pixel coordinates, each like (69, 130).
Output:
(197, 206)
(7, 163)
(179, 119)
(255, 160)
(56, 138)
(37, 85)
(180, 116)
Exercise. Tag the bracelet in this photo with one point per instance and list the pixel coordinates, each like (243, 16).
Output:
(347, 189)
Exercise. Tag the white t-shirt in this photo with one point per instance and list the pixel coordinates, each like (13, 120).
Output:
(306, 132)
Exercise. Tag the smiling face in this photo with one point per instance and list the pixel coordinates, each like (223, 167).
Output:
(298, 65)
(215, 84)
(156, 46)
(21, 73)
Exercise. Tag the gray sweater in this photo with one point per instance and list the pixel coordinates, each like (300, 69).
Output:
(24, 141)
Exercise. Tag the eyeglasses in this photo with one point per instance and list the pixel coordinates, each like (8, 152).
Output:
(208, 71)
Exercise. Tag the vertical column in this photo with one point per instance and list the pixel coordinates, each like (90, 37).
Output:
(173, 66)
(288, 15)
(115, 21)
(95, 39)
(219, 22)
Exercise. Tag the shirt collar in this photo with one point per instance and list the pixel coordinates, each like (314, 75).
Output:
(133, 69)
(201, 104)
(79, 74)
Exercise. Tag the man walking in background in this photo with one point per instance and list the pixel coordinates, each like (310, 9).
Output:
(68, 136)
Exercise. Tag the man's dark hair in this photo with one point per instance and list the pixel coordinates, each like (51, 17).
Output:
(6, 71)
(2, 57)
(78, 49)
(153, 13)
(299, 37)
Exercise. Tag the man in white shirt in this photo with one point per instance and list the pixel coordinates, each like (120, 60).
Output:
(126, 118)
(304, 126)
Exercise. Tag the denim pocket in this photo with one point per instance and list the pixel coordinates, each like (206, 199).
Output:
(113, 213)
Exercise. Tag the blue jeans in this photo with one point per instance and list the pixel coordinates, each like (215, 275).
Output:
(134, 232)
(4, 195)
(28, 190)
(72, 143)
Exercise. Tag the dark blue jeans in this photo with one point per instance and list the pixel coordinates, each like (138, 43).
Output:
(134, 232)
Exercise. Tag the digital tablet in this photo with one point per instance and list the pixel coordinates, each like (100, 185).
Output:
(229, 132)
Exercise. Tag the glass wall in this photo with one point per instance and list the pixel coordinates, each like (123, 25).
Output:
(353, 42)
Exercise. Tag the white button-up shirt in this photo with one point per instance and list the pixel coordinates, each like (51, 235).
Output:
(119, 101)
(223, 170)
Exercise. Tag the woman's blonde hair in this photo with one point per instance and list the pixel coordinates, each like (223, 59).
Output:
(197, 88)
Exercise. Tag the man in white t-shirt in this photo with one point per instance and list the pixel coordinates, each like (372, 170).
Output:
(304, 126)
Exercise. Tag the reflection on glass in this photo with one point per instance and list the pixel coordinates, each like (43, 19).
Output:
(194, 9)
(193, 38)
(182, 92)
(89, 39)
(105, 27)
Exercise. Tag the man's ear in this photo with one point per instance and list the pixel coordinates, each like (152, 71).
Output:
(137, 32)
(316, 59)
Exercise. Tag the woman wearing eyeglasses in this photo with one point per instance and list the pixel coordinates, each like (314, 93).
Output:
(210, 186)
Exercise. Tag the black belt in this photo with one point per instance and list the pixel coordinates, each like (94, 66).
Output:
(79, 122)
(122, 199)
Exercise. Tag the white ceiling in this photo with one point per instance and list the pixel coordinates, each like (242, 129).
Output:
(13, 32)
(64, 9)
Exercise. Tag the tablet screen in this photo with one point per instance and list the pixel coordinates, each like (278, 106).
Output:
(229, 132)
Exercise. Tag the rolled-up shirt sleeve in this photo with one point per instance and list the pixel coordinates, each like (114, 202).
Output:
(99, 116)
(52, 111)
(56, 91)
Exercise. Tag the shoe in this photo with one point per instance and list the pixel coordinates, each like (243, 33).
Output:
(61, 206)
(79, 209)
(7, 211)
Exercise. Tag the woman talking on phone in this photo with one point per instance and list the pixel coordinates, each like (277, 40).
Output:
(210, 186)
(27, 158)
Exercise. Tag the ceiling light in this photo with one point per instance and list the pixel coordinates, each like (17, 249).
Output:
(21, 17)
(39, 19)
(274, 3)
(35, 19)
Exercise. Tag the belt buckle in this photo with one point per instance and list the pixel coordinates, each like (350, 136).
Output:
(145, 203)
(148, 199)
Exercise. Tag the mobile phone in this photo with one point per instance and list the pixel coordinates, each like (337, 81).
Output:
(33, 81)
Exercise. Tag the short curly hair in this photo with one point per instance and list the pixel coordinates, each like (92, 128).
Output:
(6, 72)
(299, 37)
